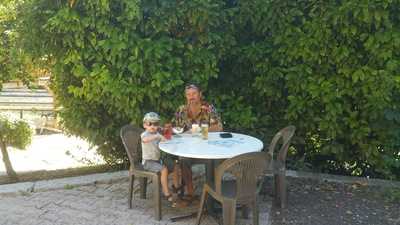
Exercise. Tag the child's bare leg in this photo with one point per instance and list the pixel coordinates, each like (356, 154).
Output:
(176, 180)
(164, 181)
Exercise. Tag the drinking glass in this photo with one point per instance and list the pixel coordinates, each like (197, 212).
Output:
(195, 129)
(168, 131)
(204, 131)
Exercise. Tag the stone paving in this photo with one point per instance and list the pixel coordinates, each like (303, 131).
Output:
(102, 199)
(97, 204)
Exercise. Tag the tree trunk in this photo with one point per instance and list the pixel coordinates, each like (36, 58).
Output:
(7, 163)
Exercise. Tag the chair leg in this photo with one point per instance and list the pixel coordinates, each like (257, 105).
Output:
(277, 193)
(143, 187)
(157, 197)
(228, 211)
(255, 213)
(131, 181)
(201, 207)
(263, 189)
(280, 190)
(283, 192)
(245, 211)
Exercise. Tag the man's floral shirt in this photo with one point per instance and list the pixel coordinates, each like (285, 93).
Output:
(208, 114)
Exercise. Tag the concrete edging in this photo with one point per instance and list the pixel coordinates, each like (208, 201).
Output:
(68, 182)
(62, 183)
(344, 179)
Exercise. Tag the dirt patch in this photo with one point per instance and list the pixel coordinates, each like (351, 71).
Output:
(315, 202)
(61, 173)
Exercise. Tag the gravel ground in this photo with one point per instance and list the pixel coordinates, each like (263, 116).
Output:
(315, 202)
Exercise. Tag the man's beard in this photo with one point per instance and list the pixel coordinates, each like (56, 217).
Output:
(194, 102)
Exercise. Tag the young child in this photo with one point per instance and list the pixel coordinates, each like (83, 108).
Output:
(151, 152)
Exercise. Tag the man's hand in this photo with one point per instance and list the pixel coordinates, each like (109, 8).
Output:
(215, 127)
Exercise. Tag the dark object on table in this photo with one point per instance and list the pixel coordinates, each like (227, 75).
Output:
(130, 136)
(246, 168)
(225, 135)
(278, 166)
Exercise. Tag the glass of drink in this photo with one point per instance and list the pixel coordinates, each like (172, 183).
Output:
(167, 131)
(195, 129)
(204, 131)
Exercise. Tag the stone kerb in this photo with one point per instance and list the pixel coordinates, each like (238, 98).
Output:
(343, 179)
(39, 186)
(62, 183)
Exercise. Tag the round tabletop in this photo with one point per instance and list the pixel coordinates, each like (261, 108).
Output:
(187, 145)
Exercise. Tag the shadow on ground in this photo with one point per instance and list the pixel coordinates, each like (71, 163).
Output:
(314, 202)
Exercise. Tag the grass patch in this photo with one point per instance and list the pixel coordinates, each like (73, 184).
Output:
(68, 186)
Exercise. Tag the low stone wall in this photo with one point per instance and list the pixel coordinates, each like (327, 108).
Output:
(344, 179)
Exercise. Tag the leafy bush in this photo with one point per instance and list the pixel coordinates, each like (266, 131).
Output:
(17, 134)
(115, 59)
(331, 68)
(14, 62)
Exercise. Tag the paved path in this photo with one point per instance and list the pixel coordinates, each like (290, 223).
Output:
(96, 203)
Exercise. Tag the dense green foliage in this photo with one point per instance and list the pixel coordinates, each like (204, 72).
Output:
(6, 41)
(331, 68)
(340, 63)
(117, 58)
(14, 63)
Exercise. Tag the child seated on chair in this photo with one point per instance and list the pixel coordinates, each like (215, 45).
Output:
(151, 153)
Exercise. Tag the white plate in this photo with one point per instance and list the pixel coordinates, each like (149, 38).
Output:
(177, 130)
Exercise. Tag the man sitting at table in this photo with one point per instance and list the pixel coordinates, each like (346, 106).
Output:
(195, 111)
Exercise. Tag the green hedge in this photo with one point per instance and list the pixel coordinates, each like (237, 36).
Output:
(334, 67)
(14, 64)
(331, 68)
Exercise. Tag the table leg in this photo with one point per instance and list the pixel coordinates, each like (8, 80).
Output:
(210, 173)
(210, 181)
(210, 201)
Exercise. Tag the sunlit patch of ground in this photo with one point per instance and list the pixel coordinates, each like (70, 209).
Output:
(50, 152)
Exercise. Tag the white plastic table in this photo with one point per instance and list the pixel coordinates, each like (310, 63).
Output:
(189, 146)
(215, 147)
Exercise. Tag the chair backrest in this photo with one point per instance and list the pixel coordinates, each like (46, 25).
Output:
(247, 169)
(286, 135)
(130, 136)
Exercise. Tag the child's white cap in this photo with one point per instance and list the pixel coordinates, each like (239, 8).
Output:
(151, 117)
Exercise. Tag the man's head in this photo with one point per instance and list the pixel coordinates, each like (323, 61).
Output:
(151, 122)
(192, 94)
